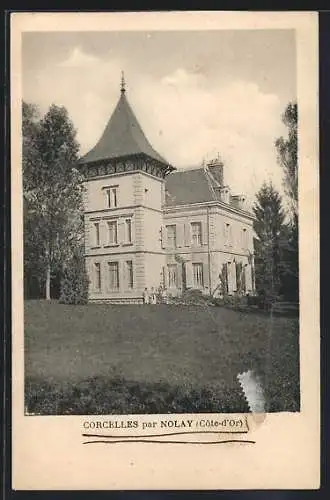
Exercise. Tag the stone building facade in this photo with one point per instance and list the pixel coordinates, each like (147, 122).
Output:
(148, 225)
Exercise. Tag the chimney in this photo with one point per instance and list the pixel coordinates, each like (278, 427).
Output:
(216, 169)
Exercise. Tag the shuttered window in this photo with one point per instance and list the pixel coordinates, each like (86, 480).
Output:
(227, 234)
(171, 236)
(196, 233)
(129, 274)
(97, 276)
(198, 278)
(97, 234)
(113, 275)
(128, 231)
(172, 275)
(112, 233)
(111, 194)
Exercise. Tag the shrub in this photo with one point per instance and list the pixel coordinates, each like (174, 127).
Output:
(74, 283)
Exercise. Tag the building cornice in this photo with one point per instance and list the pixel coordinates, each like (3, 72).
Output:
(119, 211)
(210, 204)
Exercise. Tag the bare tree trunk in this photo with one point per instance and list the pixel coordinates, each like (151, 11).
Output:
(48, 282)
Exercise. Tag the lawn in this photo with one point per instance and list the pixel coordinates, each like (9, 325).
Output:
(154, 359)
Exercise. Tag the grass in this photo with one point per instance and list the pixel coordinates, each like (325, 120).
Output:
(154, 359)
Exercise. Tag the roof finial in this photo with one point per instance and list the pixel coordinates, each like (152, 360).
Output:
(123, 84)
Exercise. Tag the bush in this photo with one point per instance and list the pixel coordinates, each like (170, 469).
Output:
(113, 396)
(74, 283)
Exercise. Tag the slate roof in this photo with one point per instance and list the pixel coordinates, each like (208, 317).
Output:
(123, 136)
(188, 186)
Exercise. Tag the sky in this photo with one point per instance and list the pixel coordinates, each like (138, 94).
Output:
(196, 94)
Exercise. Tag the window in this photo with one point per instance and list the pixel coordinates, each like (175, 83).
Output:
(227, 235)
(244, 238)
(171, 271)
(196, 233)
(112, 233)
(171, 236)
(97, 268)
(97, 234)
(111, 196)
(129, 274)
(113, 275)
(128, 231)
(198, 275)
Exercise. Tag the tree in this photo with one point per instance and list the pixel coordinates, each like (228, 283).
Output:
(53, 190)
(74, 283)
(33, 262)
(269, 228)
(287, 157)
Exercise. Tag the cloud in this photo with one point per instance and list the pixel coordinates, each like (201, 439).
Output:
(185, 115)
(78, 59)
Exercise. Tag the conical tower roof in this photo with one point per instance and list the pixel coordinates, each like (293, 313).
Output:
(122, 137)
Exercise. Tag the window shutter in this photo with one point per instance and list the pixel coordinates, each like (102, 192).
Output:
(248, 278)
(230, 277)
(180, 235)
(179, 275)
(165, 277)
(187, 230)
(204, 233)
(234, 276)
(163, 236)
(189, 275)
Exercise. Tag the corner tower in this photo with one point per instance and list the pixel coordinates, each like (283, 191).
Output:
(124, 180)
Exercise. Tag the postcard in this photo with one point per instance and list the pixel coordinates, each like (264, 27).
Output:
(165, 250)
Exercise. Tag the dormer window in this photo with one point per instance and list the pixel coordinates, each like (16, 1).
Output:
(111, 194)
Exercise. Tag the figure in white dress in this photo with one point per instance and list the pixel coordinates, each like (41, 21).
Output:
(153, 297)
(146, 296)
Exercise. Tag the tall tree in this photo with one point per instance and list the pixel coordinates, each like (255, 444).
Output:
(33, 259)
(54, 188)
(287, 156)
(269, 227)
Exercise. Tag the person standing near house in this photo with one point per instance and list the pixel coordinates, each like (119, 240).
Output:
(145, 296)
(153, 298)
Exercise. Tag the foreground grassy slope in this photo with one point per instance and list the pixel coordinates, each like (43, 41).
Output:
(120, 357)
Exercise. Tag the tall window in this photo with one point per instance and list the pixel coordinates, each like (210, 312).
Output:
(128, 230)
(198, 275)
(112, 232)
(129, 274)
(172, 276)
(97, 234)
(196, 233)
(97, 269)
(111, 196)
(227, 231)
(171, 236)
(244, 238)
(113, 275)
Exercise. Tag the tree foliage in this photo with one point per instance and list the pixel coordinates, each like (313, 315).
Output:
(269, 228)
(287, 154)
(74, 283)
(52, 190)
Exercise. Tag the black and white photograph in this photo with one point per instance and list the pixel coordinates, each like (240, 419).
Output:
(160, 184)
(165, 246)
